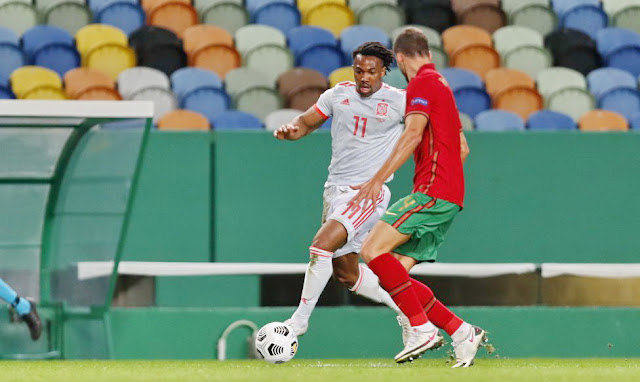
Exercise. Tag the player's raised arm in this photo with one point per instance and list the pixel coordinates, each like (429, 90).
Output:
(411, 137)
(300, 126)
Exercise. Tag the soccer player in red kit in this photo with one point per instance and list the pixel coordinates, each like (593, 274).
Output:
(414, 227)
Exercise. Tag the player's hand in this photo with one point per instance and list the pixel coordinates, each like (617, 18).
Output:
(368, 193)
(287, 131)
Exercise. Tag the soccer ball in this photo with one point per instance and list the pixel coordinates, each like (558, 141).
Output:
(276, 342)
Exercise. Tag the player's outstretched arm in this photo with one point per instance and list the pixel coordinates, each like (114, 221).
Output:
(410, 139)
(464, 147)
(300, 126)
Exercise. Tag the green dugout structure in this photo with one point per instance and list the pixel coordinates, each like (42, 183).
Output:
(243, 197)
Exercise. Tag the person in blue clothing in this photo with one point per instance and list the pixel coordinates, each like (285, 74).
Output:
(25, 308)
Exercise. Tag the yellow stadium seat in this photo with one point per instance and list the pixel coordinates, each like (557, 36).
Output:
(331, 16)
(111, 59)
(46, 92)
(341, 75)
(94, 35)
(306, 5)
(27, 78)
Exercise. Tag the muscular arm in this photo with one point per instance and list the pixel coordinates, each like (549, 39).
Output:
(300, 126)
(464, 147)
(409, 140)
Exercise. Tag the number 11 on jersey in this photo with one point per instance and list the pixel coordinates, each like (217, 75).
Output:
(364, 125)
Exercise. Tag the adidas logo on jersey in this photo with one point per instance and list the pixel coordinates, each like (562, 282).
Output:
(345, 102)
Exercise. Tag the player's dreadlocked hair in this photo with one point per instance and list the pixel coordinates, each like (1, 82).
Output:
(375, 49)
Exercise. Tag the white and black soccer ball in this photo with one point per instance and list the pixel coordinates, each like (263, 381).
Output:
(276, 342)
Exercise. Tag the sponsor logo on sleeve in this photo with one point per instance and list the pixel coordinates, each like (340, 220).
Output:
(419, 101)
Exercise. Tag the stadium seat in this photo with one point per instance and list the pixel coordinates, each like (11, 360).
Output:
(439, 57)
(538, 17)
(253, 5)
(500, 79)
(95, 35)
(99, 94)
(477, 58)
(165, 57)
(272, 60)
(460, 36)
(149, 36)
(332, 16)
(254, 35)
(529, 59)
(68, 15)
(11, 56)
(79, 80)
(574, 102)
(498, 120)
(395, 78)
(228, 15)
(466, 121)
(46, 93)
(5, 87)
(96, 5)
(304, 98)
(236, 120)
(472, 101)
(207, 100)
(183, 120)
(134, 79)
(43, 35)
(304, 37)
(299, 85)
(277, 118)
(522, 100)
(589, 18)
(164, 101)
(243, 78)
(550, 120)
(635, 121)
(461, 6)
(551, 80)
(51, 47)
(27, 78)
(512, 37)
(573, 49)
(602, 80)
(18, 16)
(111, 59)
(580, 58)
(565, 39)
(385, 16)
(123, 14)
(258, 101)
(323, 58)
(173, 15)
(511, 6)
(433, 37)
(218, 58)
(352, 37)
(436, 15)
(561, 7)
(624, 101)
(620, 49)
(628, 18)
(280, 15)
(462, 78)
(341, 75)
(306, 5)
(186, 80)
(489, 17)
(602, 120)
(357, 5)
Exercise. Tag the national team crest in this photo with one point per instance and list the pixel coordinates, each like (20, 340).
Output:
(382, 109)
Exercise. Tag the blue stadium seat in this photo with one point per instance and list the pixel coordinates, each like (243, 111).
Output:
(356, 35)
(58, 57)
(323, 58)
(472, 101)
(5, 88)
(253, 5)
(11, 56)
(635, 122)
(208, 100)
(123, 14)
(586, 18)
(282, 16)
(462, 78)
(624, 101)
(236, 120)
(42, 35)
(560, 7)
(604, 79)
(188, 79)
(498, 120)
(97, 5)
(620, 48)
(304, 37)
(550, 120)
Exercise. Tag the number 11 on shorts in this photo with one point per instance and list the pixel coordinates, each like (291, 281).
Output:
(364, 125)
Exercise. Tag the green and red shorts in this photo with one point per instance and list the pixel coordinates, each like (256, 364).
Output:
(426, 219)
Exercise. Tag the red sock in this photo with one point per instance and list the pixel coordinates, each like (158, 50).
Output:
(395, 280)
(439, 314)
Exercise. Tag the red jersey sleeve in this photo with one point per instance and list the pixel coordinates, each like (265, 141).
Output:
(420, 97)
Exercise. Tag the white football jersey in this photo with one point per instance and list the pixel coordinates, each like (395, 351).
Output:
(364, 131)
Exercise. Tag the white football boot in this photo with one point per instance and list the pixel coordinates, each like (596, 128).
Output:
(466, 349)
(299, 327)
(419, 341)
(404, 323)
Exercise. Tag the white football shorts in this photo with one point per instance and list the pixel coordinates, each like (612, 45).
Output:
(358, 223)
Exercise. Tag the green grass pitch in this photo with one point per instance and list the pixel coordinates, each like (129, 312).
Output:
(360, 370)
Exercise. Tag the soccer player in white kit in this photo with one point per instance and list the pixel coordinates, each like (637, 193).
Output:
(367, 122)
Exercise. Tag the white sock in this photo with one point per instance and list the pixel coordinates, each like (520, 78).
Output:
(428, 327)
(462, 332)
(316, 277)
(368, 286)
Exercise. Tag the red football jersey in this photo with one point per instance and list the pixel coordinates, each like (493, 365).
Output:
(438, 171)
